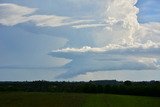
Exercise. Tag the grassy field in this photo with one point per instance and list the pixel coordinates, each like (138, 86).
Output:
(23, 99)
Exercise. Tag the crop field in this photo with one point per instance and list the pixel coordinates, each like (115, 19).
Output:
(35, 99)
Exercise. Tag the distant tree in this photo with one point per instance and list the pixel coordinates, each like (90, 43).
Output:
(127, 83)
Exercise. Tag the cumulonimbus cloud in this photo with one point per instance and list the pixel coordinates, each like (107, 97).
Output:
(123, 44)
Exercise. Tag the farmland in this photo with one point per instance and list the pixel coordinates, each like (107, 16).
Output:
(39, 99)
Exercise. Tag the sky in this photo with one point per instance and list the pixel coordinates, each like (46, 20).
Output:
(79, 40)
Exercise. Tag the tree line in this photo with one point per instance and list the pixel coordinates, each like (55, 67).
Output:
(151, 88)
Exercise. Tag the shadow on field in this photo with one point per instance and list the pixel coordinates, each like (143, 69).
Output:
(26, 99)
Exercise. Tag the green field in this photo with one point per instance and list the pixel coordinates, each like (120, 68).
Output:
(24, 99)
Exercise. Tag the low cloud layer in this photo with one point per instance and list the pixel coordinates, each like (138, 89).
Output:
(111, 57)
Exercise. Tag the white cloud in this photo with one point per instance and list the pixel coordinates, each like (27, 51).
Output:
(13, 14)
(47, 20)
(54, 21)
(111, 47)
(148, 31)
(121, 22)
(88, 26)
